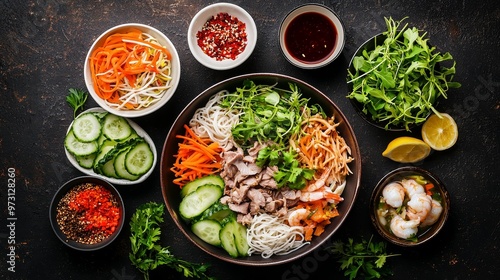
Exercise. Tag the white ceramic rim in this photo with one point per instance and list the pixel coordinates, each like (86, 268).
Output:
(205, 14)
(163, 40)
(141, 132)
(321, 9)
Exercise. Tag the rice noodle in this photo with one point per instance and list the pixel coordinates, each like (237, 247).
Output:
(214, 121)
(268, 235)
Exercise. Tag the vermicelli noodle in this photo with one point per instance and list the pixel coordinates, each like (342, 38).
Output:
(214, 121)
(268, 235)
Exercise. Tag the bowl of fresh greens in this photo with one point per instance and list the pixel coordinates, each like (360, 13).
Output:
(396, 78)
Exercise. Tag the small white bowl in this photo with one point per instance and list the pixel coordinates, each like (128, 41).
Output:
(206, 14)
(335, 21)
(175, 69)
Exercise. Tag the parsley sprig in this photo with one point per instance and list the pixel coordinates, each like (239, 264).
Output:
(147, 254)
(76, 98)
(364, 259)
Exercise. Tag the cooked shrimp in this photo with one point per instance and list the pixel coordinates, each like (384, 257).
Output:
(319, 183)
(322, 193)
(296, 216)
(394, 194)
(419, 206)
(412, 187)
(402, 228)
(433, 215)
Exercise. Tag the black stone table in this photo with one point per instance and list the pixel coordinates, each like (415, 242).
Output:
(42, 50)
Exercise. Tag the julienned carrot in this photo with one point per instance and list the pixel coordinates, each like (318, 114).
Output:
(195, 158)
(120, 67)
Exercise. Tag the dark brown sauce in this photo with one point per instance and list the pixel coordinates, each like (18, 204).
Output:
(310, 37)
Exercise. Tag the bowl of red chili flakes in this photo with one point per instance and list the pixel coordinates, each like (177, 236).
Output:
(222, 36)
(87, 213)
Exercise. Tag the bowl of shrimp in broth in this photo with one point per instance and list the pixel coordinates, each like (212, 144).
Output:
(409, 206)
(274, 234)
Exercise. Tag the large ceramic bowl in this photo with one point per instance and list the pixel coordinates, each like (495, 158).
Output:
(171, 192)
(175, 69)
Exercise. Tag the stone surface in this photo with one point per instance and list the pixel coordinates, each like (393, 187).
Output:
(43, 47)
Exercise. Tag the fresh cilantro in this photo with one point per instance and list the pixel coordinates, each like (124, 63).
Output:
(362, 260)
(76, 99)
(289, 172)
(399, 81)
(147, 254)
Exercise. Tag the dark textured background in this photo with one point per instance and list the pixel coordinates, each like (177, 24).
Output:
(42, 49)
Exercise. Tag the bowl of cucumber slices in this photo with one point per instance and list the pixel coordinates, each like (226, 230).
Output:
(99, 143)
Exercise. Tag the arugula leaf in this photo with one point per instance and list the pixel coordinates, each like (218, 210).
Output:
(364, 259)
(146, 254)
(404, 66)
(76, 99)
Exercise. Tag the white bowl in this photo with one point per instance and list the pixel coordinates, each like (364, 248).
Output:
(335, 21)
(88, 171)
(175, 68)
(206, 14)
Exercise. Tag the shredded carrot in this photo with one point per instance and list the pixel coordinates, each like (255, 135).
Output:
(195, 158)
(121, 69)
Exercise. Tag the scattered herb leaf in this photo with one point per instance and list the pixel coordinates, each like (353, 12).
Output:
(364, 259)
(76, 99)
(147, 254)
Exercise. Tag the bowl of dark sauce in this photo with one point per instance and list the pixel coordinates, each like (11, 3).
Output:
(311, 36)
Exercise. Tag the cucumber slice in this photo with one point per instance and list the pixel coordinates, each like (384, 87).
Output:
(78, 148)
(87, 127)
(116, 128)
(120, 169)
(200, 200)
(104, 149)
(208, 231)
(233, 237)
(86, 161)
(139, 159)
(108, 169)
(228, 241)
(217, 212)
(193, 185)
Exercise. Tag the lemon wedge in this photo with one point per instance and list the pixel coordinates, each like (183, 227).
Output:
(440, 133)
(407, 149)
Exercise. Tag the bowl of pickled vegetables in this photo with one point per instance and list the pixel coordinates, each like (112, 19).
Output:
(132, 70)
(409, 206)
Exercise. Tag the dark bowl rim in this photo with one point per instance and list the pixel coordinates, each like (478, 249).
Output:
(294, 255)
(313, 65)
(436, 228)
(63, 190)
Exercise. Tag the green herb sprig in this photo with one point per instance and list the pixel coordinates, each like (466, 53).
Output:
(362, 260)
(76, 98)
(289, 172)
(398, 82)
(147, 254)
